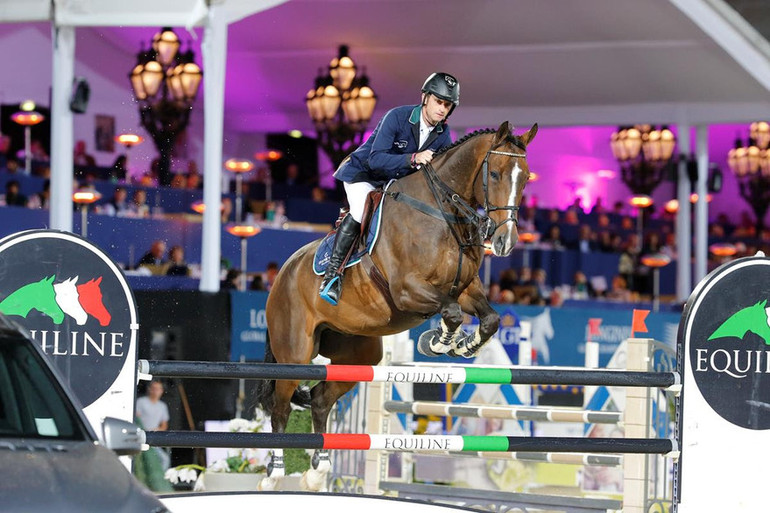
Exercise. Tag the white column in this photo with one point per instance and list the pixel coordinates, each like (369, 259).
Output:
(60, 212)
(214, 50)
(701, 207)
(683, 219)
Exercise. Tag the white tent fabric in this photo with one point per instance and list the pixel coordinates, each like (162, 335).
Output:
(19, 11)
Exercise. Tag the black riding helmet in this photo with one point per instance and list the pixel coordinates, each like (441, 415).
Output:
(444, 86)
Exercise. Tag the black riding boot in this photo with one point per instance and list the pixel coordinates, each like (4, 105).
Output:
(347, 234)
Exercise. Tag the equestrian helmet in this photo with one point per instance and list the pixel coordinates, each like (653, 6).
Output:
(444, 86)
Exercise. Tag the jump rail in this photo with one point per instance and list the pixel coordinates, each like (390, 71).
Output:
(569, 458)
(425, 443)
(408, 374)
(526, 413)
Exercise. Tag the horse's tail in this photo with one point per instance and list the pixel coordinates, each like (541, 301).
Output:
(265, 391)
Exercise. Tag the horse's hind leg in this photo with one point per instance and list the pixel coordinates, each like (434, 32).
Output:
(342, 350)
(474, 302)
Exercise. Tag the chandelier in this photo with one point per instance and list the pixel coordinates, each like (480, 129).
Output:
(340, 104)
(165, 83)
(645, 154)
(750, 162)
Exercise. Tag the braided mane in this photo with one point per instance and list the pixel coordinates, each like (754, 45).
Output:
(482, 131)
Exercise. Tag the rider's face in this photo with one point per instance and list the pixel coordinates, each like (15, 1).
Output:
(435, 109)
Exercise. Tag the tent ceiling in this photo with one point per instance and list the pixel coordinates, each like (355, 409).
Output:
(556, 62)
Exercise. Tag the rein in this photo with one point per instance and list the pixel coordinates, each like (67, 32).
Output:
(442, 193)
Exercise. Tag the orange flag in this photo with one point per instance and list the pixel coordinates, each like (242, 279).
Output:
(637, 324)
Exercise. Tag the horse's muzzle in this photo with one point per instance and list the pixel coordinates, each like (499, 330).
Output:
(504, 241)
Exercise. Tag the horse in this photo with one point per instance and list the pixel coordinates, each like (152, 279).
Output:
(429, 252)
(39, 295)
(67, 298)
(91, 300)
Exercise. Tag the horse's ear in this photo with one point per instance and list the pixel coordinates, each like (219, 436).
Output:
(97, 280)
(51, 279)
(74, 280)
(503, 132)
(527, 137)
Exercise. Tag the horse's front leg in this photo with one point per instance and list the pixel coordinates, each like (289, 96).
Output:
(443, 339)
(474, 301)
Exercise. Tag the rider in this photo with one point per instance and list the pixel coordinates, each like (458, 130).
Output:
(405, 138)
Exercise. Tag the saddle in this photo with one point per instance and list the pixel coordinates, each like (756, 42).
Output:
(361, 250)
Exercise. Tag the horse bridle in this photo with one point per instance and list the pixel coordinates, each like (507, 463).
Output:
(491, 225)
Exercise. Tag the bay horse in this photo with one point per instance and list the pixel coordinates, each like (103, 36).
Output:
(429, 251)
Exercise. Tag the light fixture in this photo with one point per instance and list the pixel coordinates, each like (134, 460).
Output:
(340, 104)
(85, 197)
(27, 117)
(644, 153)
(268, 155)
(640, 201)
(750, 162)
(239, 166)
(243, 231)
(165, 83)
(129, 140)
(723, 249)
(655, 261)
(533, 177)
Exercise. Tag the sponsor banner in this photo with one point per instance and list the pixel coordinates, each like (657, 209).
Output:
(248, 325)
(419, 375)
(559, 334)
(75, 303)
(416, 443)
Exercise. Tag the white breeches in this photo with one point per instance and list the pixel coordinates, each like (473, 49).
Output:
(357, 193)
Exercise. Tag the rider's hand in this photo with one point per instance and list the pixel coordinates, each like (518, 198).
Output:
(424, 157)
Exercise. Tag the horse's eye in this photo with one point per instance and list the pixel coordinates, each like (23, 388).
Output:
(495, 175)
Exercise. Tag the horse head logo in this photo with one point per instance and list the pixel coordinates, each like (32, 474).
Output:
(67, 298)
(542, 332)
(39, 296)
(91, 301)
(752, 318)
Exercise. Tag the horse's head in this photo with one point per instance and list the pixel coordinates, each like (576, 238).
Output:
(504, 174)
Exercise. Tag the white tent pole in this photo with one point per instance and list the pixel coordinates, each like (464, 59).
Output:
(61, 128)
(701, 207)
(214, 50)
(683, 218)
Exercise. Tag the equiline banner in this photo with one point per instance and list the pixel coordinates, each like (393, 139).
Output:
(724, 338)
(75, 303)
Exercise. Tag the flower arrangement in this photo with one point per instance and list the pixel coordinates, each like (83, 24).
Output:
(241, 461)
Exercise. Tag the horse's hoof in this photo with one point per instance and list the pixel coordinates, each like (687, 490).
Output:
(314, 480)
(268, 484)
(430, 344)
(466, 346)
(424, 343)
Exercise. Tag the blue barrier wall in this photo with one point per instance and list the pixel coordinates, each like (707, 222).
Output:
(558, 334)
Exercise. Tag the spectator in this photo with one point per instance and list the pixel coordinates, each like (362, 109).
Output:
(226, 209)
(119, 169)
(619, 290)
(177, 265)
(42, 198)
(5, 151)
(605, 242)
(318, 194)
(118, 205)
(81, 157)
(232, 280)
(619, 208)
(138, 206)
(576, 205)
(553, 238)
(155, 255)
(257, 283)
(292, 174)
(179, 181)
(586, 241)
(508, 279)
(627, 264)
(598, 207)
(194, 179)
(571, 217)
(152, 412)
(12, 198)
(38, 152)
(581, 287)
(542, 289)
(270, 274)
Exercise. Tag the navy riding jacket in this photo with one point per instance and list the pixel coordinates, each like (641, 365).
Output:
(387, 153)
